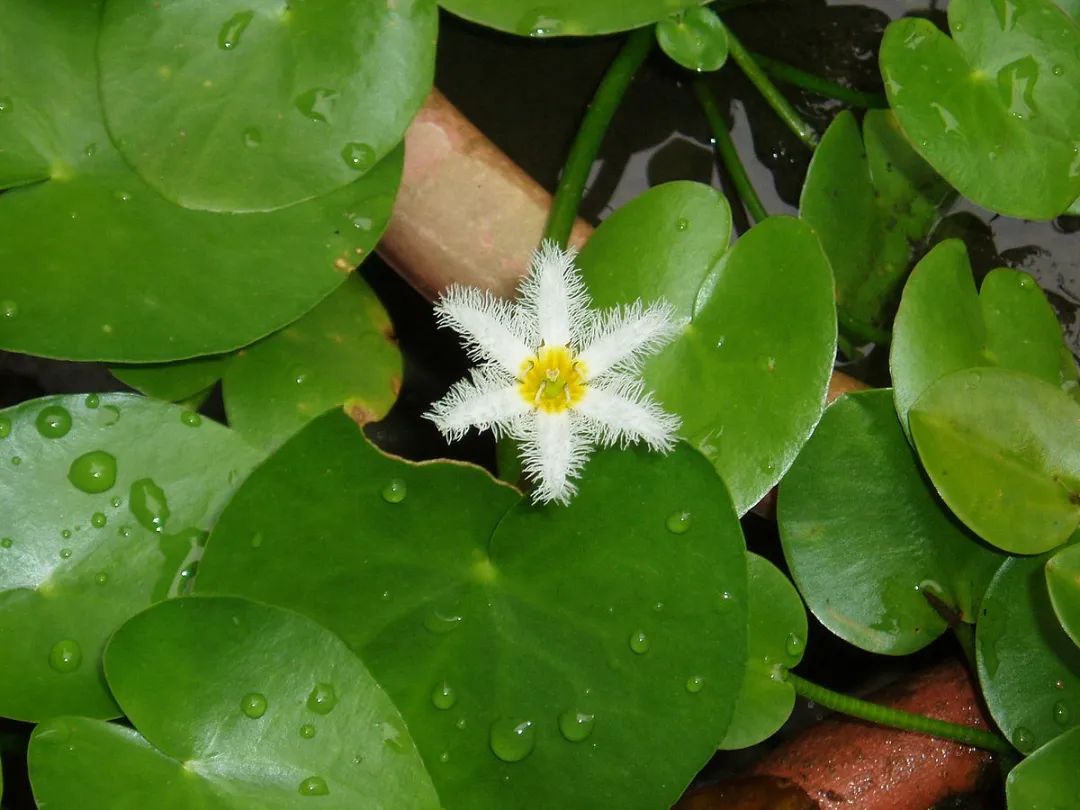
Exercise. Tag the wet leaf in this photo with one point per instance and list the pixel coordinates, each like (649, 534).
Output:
(564, 17)
(517, 643)
(1047, 778)
(875, 553)
(695, 39)
(107, 503)
(219, 722)
(1063, 584)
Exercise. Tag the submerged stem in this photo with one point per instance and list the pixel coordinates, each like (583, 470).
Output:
(586, 144)
(896, 718)
(816, 84)
(788, 114)
(725, 147)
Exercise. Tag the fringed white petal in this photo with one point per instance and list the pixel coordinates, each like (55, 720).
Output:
(621, 412)
(554, 448)
(489, 401)
(554, 297)
(488, 325)
(621, 338)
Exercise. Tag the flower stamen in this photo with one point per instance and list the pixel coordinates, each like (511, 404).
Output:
(553, 380)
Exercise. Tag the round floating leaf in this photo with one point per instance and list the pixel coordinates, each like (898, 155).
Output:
(1063, 583)
(343, 351)
(107, 502)
(1029, 668)
(1003, 451)
(582, 641)
(749, 371)
(872, 200)
(88, 237)
(777, 639)
(537, 18)
(944, 326)
(236, 705)
(695, 39)
(996, 109)
(173, 382)
(255, 105)
(879, 559)
(1047, 778)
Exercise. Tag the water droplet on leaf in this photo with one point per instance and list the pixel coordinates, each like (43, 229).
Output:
(53, 422)
(233, 29)
(5, 427)
(65, 553)
(694, 684)
(307, 731)
(92, 401)
(1061, 713)
(1024, 739)
(794, 645)
(93, 472)
(322, 699)
(191, 419)
(639, 642)
(443, 696)
(358, 156)
(253, 704)
(252, 138)
(512, 740)
(6, 542)
(679, 522)
(98, 520)
(395, 491)
(576, 726)
(314, 786)
(65, 656)
(148, 504)
(317, 104)
(8, 308)
(101, 578)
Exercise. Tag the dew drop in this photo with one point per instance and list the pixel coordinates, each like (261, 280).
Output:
(444, 757)
(5, 427)
(122, 196)
(115, 501)
(362, 223)
(1024, 739)
(443, 696)
(53, 422)
(793, 646)
(65, 656)
(65, 553)
(257, 540)
(682, 224)
(66, 534)
(358, 156)
(540, 22)
(958, 26)
(253, 704)
(679, 522)
(639, 642)
(92, 401)
(233, 29)
(512, 740)
(6, 542)
(16, 461)
(576, 726)
(442, 623)
(251, 137)
(93, 472)
(8, 309)
(1058, 70)
(6, 105)
(395, 491)
(1061, 713)
(190, 418)
(317, 104)
(307, 731)
(314, 786)
(148, 504)
(101, 578)
(98, 520)
(322, 699)
(694, 684)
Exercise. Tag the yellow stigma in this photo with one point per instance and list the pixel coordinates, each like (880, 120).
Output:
(553, 380)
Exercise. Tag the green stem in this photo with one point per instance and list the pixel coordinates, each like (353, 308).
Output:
(815, 84)
(586, 144)
(725, 147)
(895, 718)
(772, 94)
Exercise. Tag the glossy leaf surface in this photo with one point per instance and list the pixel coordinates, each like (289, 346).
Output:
(695, 39)
(564, 17)
(1047, 778)
(173, 382)
(1063, 584)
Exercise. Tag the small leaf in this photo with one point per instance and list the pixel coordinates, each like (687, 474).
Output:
(1003, 451)
(695, 39)
(176, 381)
(219, 722)
(874, 552)
(564, 17)
(1047, 778)
(1063, 584)
(1029, 669)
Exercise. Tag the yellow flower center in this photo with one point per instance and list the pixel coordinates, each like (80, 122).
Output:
(553, 380)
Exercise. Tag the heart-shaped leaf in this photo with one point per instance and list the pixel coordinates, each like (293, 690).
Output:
(879, 559)
(555, 18)
(173, 382)
(235, 705)
(588, 641)
(1063, 584)
(84, 237)
(1029, 669)
(107, 502)
(261, 104)
(342, 352)
(996, 109)
(1047, 778)
(1003, 451)
(777, 639)
(749, 371)
(695, 39)
(872, 200)
(944, 326)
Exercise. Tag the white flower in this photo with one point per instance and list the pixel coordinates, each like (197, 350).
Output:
(554, 375)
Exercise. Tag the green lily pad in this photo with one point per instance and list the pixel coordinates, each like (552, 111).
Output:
(342, 352)
(944, 326)
(1047, 778)
(220, 722)
(131, 486)
(553, 18)
(90, 234)
(255, 105)
(874, 552)
(872, 201)
(996, 109)
(749, 371)
(1028, 667)
(695, 39)
(1063, 583)
(177, 381)
(776, 641)
(1003, 451)
(587, 641)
